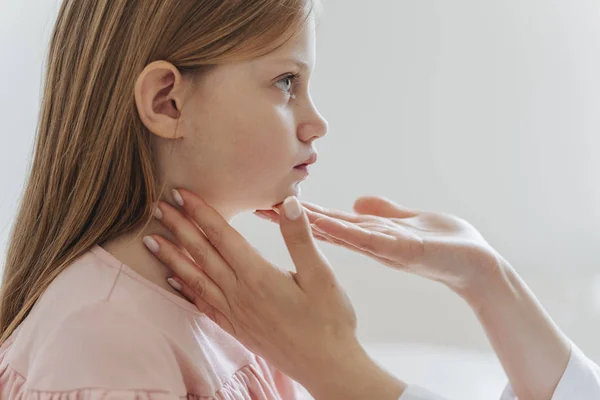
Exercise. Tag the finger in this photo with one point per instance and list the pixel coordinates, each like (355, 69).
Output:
(271, 215)
(402, 248)
(189, 272)
(375, 242)
(198, 246)
(320, 235)
(184, 289)
(330, 239)
(229, 243)
(274, 217)
(211, 312)
(268, 215)
(326, 238)
(346, 216)
(382, 207)
(309, 261)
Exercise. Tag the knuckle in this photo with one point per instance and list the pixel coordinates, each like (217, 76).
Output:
(214, 236)
(199, 254)
(367, 242)
(170, 224)
(194, 210)
(410, 250)
(297, 238)
(198, 286)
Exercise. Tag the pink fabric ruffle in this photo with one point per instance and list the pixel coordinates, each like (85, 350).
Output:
(247, 384)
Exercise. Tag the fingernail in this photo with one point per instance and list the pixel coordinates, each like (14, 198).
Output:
(158, 213)
(151, 244)
(177, 197)
(292, 208)
(174, 284)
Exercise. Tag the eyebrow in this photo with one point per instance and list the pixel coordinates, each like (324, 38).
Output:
(299, 63)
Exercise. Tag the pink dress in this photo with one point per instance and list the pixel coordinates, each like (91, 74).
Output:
(102, 331)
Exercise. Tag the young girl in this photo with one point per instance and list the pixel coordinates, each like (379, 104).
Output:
(143, 96)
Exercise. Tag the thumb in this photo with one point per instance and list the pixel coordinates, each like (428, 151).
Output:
(382, 207)
(310, 262)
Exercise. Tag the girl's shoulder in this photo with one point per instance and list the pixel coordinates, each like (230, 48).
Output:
(102, 351)
(79, 334)
(98, 346)
(100, 331)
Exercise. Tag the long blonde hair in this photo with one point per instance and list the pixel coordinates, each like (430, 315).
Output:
(92, 176)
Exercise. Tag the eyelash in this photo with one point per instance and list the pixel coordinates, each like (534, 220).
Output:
(295, 78)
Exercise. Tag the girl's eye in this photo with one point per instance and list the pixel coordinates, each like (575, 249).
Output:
(286, 84)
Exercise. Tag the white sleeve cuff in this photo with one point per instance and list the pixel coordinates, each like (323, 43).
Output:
(414, 392)
(508, 393)
(581, 380)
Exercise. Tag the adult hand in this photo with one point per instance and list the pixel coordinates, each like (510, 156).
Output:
(443, 247)
(302, 322)
(437, 246)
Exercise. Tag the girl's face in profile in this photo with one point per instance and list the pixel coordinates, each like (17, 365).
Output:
(246, 127)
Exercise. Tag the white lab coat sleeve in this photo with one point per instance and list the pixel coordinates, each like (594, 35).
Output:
(414, 392)
(581, 380)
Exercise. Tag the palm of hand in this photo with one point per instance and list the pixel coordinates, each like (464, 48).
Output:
(437, 246)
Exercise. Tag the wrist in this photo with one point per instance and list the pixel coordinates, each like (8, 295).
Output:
(492, 279)
(531, 348)
(355, 377)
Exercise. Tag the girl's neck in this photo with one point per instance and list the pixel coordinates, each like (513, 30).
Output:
(136, 255)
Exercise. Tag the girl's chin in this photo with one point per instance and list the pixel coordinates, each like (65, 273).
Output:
(294, 190)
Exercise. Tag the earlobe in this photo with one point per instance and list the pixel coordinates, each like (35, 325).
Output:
(158, 98)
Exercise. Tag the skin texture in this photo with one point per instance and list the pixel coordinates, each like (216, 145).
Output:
(234, 136)
(316, 335)
(302, 322)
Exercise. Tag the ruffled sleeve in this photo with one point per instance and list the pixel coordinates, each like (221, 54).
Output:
(98, 352)
(287, 388)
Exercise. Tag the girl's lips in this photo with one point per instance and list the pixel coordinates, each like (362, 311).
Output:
(310, 160)
(302, 168)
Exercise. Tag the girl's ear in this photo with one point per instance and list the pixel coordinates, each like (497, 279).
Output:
(159, 91)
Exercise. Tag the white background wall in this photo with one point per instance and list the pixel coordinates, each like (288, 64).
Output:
(485, 109)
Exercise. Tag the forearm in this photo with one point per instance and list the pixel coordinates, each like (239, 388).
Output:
(361, 378)
(533, 351)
